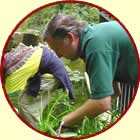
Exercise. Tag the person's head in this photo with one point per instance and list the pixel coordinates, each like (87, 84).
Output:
(63, 35)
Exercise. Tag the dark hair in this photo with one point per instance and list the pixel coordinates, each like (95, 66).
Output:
(61, 24)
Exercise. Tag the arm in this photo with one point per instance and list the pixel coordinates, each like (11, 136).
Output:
(50, 63)
(91, 108)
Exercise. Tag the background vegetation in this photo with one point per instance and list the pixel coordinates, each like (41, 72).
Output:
(39, 20)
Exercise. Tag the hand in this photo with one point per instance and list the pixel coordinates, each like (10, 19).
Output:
(63, 128)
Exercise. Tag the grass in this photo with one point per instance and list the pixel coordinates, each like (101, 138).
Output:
(60, 105)
(95, 125)
(57, 108)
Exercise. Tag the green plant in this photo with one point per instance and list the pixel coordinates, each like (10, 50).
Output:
(60, 106)
(97, 124)
(39, 20)
(57, 108)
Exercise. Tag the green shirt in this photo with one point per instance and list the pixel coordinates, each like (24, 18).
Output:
(109, 56)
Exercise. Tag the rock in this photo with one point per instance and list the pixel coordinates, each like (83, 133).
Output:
(18, 37)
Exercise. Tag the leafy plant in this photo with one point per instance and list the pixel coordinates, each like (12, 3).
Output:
(57, 108)
(60, 106)
(97, 124)
(39, 20)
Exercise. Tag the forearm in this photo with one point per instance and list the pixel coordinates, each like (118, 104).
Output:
(91, 108)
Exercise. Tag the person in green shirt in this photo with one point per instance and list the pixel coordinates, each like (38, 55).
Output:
(108, 53)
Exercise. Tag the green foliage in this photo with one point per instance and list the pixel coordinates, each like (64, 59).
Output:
(77, 64)
(14, 98)
(58, 107)
(97, 124)
(12, 44)
(39, 20)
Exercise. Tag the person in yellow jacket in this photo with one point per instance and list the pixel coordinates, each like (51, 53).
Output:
(23, 70)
